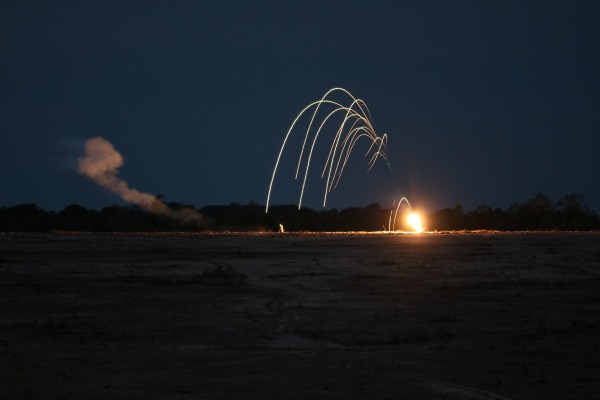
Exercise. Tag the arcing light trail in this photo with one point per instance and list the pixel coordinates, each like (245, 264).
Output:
(392, 223)
(356, 124)
(413, 219)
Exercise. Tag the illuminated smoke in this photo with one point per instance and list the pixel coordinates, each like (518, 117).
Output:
(101, 164)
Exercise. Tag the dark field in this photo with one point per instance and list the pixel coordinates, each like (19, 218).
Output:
(462, 316)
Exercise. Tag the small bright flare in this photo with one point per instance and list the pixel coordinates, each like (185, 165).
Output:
(415, 222)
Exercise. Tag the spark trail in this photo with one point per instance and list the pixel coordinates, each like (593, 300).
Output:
(356, 125)
(392, 223)
(413, 220)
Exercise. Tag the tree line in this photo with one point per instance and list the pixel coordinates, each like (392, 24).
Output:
(537, 213)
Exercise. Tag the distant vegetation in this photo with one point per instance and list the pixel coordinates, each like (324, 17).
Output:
(537, 213)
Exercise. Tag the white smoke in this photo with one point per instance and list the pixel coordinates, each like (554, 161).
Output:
(101, 164)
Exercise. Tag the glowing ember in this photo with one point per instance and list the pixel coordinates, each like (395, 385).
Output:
(415, 222)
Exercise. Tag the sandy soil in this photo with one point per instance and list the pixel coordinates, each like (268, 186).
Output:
(466, 316)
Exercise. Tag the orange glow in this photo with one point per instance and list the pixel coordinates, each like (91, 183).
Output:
(414, 220)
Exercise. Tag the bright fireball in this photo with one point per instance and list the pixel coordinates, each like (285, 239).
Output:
(415, 222)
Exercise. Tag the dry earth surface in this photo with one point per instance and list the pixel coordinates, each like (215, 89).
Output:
(264, 316)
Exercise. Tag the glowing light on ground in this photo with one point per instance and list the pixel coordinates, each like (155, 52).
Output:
(356, 125)
(414, 220)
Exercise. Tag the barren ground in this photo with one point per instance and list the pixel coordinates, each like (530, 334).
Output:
(462, 316)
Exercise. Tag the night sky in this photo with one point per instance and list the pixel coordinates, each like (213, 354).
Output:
(483, 102)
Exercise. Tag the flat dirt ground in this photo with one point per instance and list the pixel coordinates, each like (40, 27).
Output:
(283, 316)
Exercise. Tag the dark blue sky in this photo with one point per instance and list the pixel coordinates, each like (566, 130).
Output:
(483, 102)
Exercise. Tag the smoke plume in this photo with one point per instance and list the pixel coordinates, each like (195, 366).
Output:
(101, 164)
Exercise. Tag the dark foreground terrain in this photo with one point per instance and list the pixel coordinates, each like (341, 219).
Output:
(464, 316)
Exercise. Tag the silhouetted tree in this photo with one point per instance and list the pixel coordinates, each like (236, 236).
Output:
(448, 219)
(537, 213)
(575, 215)
(25, 218)
(77, 218)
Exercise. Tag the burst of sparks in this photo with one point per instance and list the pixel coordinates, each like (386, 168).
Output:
(356, 124)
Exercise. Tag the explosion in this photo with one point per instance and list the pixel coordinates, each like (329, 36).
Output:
(356, 124)
(414, 220)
